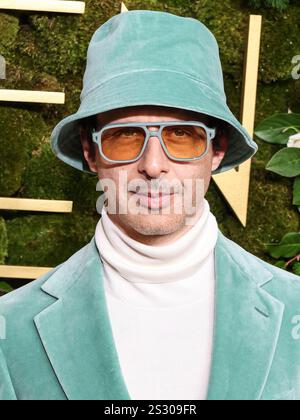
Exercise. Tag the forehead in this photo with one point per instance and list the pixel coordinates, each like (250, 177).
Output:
(149, 113)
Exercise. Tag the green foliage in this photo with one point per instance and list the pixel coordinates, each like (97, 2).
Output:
(48, 178)
(228, 22)
(270, 212)
(296, 268)
(47, 239)
(296, 200)
(276, 98)
(276, 4)
(277, 128)
(286, 162)
(288, 248)
(3, 240)
(280, 43)
(9, 27)
(21, 133)
(5, 288)
(280, 129)
(48, 52)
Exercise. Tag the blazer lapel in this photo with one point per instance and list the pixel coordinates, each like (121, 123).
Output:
(247, 325)
(76, 331)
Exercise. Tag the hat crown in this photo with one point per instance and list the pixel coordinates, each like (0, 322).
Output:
(142, 40)
(142, 58)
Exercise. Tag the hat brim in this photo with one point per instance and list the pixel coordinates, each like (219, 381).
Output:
(152, 87)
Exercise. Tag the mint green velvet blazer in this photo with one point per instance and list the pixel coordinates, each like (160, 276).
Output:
(59, 343)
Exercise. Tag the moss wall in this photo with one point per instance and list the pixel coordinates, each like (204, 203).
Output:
(48, 51)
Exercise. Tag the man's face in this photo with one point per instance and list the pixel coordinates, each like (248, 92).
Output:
(183, 184)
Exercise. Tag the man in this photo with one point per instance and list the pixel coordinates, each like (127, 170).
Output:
(160, 304)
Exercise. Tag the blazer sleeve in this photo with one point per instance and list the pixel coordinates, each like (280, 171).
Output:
(7, 392)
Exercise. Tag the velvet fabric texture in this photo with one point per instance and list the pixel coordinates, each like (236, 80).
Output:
(59, 342)
(152, 58)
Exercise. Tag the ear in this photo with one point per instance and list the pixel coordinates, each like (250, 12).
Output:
(220, 150)
(89, 151)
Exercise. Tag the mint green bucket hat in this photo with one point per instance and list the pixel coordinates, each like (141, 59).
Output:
(152, 58)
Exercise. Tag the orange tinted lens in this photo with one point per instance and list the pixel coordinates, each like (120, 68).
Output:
(122, 143)
(185, 141)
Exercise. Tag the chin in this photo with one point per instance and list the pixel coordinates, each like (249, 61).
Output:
(153, 224)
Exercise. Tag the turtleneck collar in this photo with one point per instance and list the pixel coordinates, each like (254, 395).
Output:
(140, 263)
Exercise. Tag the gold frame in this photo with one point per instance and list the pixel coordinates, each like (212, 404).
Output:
(58, 6)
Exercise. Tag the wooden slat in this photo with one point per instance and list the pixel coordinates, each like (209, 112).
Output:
(25, 204)
(123, 8)
(19, 272)
(58, 6)
(31, 96)
(251, 74)
(233, 184)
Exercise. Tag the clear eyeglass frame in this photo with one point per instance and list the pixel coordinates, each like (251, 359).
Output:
(210, 133)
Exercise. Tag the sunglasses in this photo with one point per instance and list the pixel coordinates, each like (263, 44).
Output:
(182, 141)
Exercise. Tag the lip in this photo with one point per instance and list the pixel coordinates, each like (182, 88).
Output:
(153, 195)
(154, 201)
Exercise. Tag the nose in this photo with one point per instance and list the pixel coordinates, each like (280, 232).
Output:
(154, 160)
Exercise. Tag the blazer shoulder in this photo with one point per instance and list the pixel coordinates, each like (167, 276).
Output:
(285, 286)
(31, 298)
(282, 282)
(27, 297)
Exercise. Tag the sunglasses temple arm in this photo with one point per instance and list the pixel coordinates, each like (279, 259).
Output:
(212, 133)
(95, 136)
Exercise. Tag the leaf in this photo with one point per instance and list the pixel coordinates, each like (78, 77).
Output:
(288, 247)
(286, 162)
(280, 264)
(296, 269)
(278, 128)
(5, 287)
(296, 198)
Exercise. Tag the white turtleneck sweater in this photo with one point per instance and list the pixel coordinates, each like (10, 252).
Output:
(161, 306)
